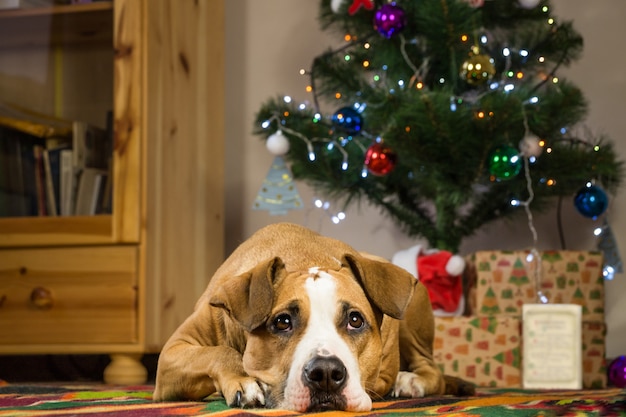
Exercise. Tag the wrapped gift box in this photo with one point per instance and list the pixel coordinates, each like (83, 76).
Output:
(504, 281)
(487, 350)
(482, 350)
(593, 355)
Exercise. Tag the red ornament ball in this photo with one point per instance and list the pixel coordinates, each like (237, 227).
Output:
(380, 159)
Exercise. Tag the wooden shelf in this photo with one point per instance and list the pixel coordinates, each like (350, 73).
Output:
(56, 231)
(67, 24)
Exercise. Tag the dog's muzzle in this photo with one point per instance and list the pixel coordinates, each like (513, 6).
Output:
(325, 376)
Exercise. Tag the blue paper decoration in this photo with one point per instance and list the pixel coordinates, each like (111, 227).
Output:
(278, 194)
(608, 245)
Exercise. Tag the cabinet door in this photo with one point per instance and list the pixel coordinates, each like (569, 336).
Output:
(73, 296)
(62, 65)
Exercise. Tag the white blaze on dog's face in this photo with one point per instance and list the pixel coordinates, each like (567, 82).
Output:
(321, 348)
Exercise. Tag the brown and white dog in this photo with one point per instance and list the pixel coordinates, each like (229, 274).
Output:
(298, 321)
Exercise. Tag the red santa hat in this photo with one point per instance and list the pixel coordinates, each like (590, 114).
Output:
(440, 272)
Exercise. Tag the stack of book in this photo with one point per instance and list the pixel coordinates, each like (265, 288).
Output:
(53, 167)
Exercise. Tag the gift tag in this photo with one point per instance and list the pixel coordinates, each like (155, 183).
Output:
(552, 346)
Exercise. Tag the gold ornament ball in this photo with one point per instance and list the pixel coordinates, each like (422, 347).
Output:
(478, 69)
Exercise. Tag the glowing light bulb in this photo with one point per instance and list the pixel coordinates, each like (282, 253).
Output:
(608, 272)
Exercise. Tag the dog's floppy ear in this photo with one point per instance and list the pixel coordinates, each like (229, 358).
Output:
(248, 297)
(388, 286)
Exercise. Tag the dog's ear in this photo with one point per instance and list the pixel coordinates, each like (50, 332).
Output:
(388, 286)
(248, 297)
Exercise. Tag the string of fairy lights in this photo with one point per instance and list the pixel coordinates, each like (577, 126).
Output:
(479, 69)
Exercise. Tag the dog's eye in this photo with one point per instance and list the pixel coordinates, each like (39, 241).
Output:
(355, 320)
(283, 323)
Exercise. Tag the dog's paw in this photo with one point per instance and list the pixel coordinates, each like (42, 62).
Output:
(244, 393)
(408, 384)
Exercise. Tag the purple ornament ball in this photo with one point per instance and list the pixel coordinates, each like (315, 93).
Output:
(617, 372)
(389, 19)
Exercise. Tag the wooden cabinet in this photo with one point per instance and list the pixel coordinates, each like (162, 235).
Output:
(118, 283)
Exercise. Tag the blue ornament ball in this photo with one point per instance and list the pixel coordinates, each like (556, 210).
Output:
(348, 119)
(617, 372)
(389, 20)
(591, 201)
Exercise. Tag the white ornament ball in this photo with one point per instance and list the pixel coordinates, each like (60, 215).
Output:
(529, 4)
(277, 143)
(530, 146)
(335, 5)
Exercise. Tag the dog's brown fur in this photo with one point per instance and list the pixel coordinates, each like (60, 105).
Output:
(227, 345)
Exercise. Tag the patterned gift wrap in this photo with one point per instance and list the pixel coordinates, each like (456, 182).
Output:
(593, 354)
(483, 350)
(505, 281)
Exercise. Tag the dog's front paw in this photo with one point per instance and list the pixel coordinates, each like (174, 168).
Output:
(244, 393)
(408, 384)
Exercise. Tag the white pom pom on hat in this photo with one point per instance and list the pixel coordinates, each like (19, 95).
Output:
(455, 265)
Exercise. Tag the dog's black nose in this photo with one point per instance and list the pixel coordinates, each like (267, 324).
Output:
(325, 374)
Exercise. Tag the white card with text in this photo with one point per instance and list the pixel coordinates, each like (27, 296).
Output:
(552, 346)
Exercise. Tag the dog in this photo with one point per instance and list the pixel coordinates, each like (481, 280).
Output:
(297, 321)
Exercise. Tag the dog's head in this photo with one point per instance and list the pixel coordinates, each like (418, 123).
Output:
(314, 336)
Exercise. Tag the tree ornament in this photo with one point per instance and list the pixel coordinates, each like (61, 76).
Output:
(529, 4)
(475, 3)
(591, 201)
(504, 163)
(278, 194)
(617, 372)
(530, 145)
(380, 159)
(478, 68)
(277, 143)
(357, 4)
(335, 5)
(389, 19)
(348, 119)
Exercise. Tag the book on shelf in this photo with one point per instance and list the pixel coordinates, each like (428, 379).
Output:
(40, 181)
(91, 185)
(46, 169)
(67, 182)
(52, 168)
(13, 198)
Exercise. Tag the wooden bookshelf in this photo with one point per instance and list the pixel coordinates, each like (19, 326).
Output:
(161, 73)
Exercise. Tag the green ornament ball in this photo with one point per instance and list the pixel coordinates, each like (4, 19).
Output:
(505, 163)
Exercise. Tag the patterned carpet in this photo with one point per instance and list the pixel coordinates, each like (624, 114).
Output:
(135, 401)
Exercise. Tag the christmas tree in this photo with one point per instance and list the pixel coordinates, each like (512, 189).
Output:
(445, 114)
